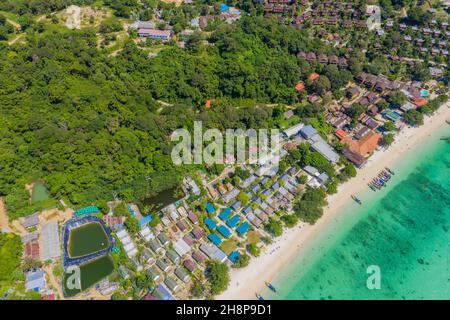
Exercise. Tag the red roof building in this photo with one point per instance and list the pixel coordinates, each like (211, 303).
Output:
(193, 217)
(341, 133)
(314, 76)
(32, 250)
(188, 239)
(300, 86)
(112, 221)
(364, 146)
(198, 256)
(49, 297)
(182, 225)
(420, 102)
(198, 233)
(189, 264)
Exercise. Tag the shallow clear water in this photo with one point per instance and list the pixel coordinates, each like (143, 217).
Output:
(404, 230)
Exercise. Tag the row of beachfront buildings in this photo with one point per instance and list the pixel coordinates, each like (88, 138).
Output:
(371, 91)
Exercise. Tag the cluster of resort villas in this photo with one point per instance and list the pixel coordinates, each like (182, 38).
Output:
(148, 29)
(175, 250)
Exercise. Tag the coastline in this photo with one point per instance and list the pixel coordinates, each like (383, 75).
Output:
(283, 250)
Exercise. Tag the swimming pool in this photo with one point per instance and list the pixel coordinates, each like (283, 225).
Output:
(424, 93)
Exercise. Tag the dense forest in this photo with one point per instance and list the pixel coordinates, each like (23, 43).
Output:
(11, 255)
(89, 125)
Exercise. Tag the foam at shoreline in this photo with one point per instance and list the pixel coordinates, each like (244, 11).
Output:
(385, 231)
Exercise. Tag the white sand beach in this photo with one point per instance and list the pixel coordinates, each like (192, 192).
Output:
(245, 282)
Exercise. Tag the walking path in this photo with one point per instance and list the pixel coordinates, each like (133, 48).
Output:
(4, 221)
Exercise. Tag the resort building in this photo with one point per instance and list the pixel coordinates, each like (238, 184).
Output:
(163, 35)
(293, 131)
(193, 217)
(35, 281)
(147, 257)
(172, 284)
(319, 144)
(154, 274)
(156, 246)
(51, 246)
(127, 243)
(181, 247)
(182, 274)
(31, 221)
(162, 237)
(230, 195)
(198, 256)
(213, 252)
(164, 266)
(173, 256)
(162, 293)
(146, 234)
(190, 265)
(31, 250)
(198, 233)
(358, 150)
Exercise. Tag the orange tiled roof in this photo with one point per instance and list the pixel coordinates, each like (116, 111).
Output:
(208, 103)
(363, 146)
(420, 102)
(341, 133)
(300, 86)
(313, 76)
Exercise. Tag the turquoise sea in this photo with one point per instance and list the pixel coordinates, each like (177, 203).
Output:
(403, 229)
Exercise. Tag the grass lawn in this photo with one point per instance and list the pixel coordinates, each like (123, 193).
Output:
(289, 122)
(253, 237)
(229, 245)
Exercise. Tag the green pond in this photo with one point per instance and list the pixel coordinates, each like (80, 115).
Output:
(161, 199)
(39, 193)
(87, 239)
(91, 273)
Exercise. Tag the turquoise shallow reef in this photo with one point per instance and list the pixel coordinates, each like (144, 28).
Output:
(404, 230)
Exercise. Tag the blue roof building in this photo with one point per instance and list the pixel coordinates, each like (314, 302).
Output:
(247, 209)
(210, 223)
(35, 281)
(235, 206)
(146, 220)
(308, 131)
(214, 238)
(225, 214)
(264, 180)
(266, 193)
(162, 293)
(234, 256)
(224, 231)
(256, 188)
(243, 228)
(210, 208)
(87, 210)
(224, 7)
(233, 221)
